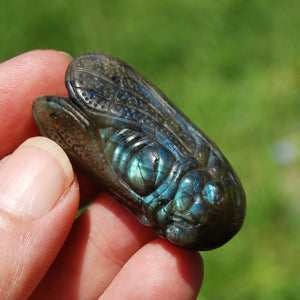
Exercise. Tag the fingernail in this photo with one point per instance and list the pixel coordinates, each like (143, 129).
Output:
(34, 177)
(69, 56)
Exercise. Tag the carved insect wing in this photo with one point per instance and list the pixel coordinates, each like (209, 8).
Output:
(119, 96)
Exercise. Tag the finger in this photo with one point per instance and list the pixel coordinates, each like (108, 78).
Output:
(100, 243)
(24, 78)
(38, 203)
(158, 271)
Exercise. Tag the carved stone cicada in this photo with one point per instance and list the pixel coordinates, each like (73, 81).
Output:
(125, 133)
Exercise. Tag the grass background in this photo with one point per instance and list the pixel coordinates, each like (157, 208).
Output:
(233, 67)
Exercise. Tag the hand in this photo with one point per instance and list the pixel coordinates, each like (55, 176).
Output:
(44, 254)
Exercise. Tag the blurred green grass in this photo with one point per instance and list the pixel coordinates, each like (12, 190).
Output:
(233, 68)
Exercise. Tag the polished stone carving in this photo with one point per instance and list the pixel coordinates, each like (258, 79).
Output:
(127, 136)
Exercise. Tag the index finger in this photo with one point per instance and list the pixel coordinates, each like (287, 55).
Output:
(22, 79)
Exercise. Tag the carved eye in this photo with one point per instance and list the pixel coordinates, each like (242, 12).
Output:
(212, 193)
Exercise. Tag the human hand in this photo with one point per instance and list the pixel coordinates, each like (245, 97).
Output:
(44, 254)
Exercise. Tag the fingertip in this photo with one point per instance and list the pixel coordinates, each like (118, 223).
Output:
(54, 59)
(38, 202)
(68, 55)
(23, 79)
(190, 266)
(161, 270)
(46, 144)
(186, 266)
(34, 178)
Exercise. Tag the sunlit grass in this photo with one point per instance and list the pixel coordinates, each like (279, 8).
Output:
(233, 68)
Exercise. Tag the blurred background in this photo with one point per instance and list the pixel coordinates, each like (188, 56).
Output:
(233, 67)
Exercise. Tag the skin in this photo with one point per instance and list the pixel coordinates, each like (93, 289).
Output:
(44, 253)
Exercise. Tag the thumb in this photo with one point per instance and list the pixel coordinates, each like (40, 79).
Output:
(38, 203)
